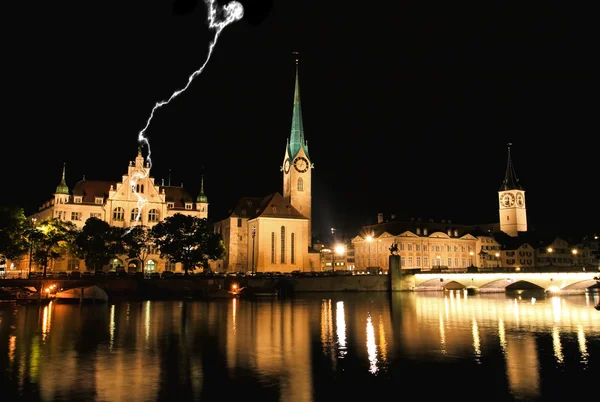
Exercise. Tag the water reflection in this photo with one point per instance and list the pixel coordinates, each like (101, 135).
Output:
(293, 350)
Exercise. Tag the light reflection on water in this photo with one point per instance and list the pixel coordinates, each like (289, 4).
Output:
(306, 349)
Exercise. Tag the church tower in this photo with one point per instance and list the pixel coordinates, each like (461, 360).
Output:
(61, 195)
(297, 167)
(513, 214)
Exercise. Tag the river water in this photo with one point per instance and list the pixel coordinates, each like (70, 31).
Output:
(314, 347)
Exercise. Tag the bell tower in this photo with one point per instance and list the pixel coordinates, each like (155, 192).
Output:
(297, 166)
(511, 199)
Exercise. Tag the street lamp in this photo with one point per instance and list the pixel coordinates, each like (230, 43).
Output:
(550, 250)
(369, 240)
(253, 236)
(339, 249)
(439, 261)
(471, 258)
(497, 260)
(574, 251)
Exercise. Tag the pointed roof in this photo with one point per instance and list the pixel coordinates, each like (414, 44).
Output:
(201, 197)
(296, 140)
(511, 182)
(62, 187)
(272, 206)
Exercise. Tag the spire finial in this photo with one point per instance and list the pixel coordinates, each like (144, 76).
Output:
(296, 54)
(510, 181)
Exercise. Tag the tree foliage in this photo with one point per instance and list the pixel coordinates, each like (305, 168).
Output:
(13, 227)
(188, 240)
(51, 239)
(139, 242)
(98, 242)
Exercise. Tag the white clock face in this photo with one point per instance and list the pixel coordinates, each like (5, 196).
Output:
(286, 165)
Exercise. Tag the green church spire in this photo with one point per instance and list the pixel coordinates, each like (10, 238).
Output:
(297, 135)
(62, 187)
(201, 197)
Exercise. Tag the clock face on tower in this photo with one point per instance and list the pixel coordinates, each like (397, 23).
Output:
(520, 199)
(301, 164)
(286, 165)
(507, 200)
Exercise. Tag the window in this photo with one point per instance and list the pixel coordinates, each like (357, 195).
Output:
(272, 247)
(449, 261)
(73, 264)
(77, 200)
(273, 208)
(139, 188)
(75, 216)
(170, 266)
(424, 247)
(98, 200)
(300, 184)
(239, 222)
(409, 246)
(456, 262)
(417, 247)
(188, 205)
(153, 215)
(292, 244)
(134, 214)
(97, 215)
(62, 215)
(170, 205)
(283, 244)
(118, 214)
(410, 262)
(425, 231)
(425, 261)
(150, 266)
(418, 261)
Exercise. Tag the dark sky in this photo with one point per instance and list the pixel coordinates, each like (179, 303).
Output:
(407, 107)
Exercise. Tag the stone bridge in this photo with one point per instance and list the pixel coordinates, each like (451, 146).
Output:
(553, 282)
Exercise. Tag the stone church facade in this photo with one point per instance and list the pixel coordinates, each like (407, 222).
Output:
(274, 233)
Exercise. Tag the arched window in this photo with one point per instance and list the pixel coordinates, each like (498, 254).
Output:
(116, 264)
(283, 244)
(153, 215)
(272, 247)
(292, 248)
(118, 214)
(150, 266)
(300, 184)
(134, 214)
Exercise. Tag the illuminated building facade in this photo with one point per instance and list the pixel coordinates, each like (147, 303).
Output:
(117, 204)
(274, 233)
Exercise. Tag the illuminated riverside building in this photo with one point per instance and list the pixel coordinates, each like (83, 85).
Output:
(274, 233)
(445, 245)
(116, 203)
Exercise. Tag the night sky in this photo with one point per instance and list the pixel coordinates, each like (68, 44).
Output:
(407, 107)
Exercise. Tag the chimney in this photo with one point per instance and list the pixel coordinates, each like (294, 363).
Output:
(380, 218)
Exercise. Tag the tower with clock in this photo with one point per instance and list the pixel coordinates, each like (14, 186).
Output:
(511, 198)
(297, 166)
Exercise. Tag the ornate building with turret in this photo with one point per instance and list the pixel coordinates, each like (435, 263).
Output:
(119, 204)
(273, 233)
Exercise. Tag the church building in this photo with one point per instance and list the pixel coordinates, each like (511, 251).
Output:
(273, 233)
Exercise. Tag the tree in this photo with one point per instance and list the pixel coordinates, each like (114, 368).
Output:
(139, 242)
(13, 233)
(188, 240)
(98, 242)
(51, 240)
